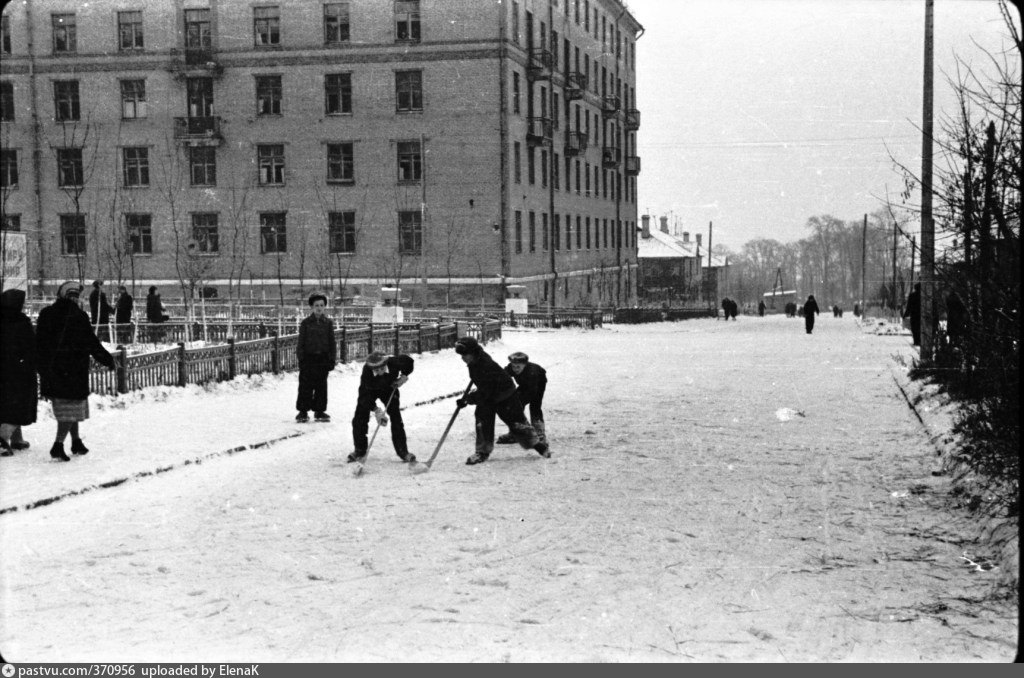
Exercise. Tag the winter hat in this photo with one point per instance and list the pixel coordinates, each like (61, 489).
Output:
(317, 295)
(376, 359)
(13, 299)
(70, 288)
(404, 363)
(152, 289)
(519, 357)
(97, 283)
(467, 346)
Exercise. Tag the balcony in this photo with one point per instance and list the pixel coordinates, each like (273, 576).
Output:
(610, 157)
(192, 62)
(198, 131)
(609, 105)
(632, 165)
(575, 85)
(539, 66)
(575, 143)
(632, 122)
(538, 131)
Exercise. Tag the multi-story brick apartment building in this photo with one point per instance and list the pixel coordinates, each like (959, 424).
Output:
(452, 147)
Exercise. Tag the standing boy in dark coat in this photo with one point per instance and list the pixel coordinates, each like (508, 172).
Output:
(913, 311)
(98, 305)
(64, 342)
(810, 310)
(317, 354)
(18, 388)
(124, 306)
(495, 394)
(382, 377)
(531, 379)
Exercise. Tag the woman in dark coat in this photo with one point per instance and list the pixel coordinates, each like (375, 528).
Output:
(810, 310)
(19, 394)
(154, 307)
(64, 342)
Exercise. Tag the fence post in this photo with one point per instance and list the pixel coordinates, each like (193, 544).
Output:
(122, 369)
(275, 353)
(231, 357)
(398, 339)
(344, 342)
(369, 342)
(182, 368)
(419, 337)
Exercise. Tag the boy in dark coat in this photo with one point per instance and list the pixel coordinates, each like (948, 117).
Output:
(913, 311)
(382, 377)
(317, 354)
(124, 306)
(531, 380)
(18, 387)
(64, 342)
(810, 310)
(98, 306)
(495, 394)
(155, 307)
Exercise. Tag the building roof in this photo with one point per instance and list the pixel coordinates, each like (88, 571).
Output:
(663, 245)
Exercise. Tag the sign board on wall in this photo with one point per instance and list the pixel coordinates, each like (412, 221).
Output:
(15, 261)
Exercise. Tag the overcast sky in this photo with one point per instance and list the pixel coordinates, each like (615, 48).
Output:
(758, 114)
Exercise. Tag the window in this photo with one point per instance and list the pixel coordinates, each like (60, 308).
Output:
(519, 232)
(8, 168)
(515, 93)
(340, 163)
(544, 231)
(268, 95)
(577, 177)
(266, 26)
(554, 110)
(556, 235)
(5, 35)
(579, 235)
(556, 172)
(270, 160)
(10, 222)
(410, 232)
(72, 234)
(205, 233)
(587, 238)
(544, 168)
(202, 165)
(199, 97)
(568, 231)
(69, 167)
(133, 99)
(129, 30)
(6, 101)
(338, 93)
(410, 162)
(407, 20)
(273, 233)
(63, 33)
(139, 228)
(341, 232)
(604, 228)
(517, 162)
(533, 231)
(530, 173)
(136, 166)
(408, 91)
(66, 103)
(336, 30)
(197, 29)
(515, 22)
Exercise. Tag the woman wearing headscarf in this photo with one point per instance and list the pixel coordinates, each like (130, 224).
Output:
(18, 387)
(810, 310)
(64, 342)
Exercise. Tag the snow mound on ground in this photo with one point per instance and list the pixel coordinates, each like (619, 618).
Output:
(787, 413)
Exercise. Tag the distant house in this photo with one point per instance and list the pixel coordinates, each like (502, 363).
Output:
(673, 268)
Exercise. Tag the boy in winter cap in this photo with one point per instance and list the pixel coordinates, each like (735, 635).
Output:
(495, 395)
(317, 355)
(532, 379)
(382, 377)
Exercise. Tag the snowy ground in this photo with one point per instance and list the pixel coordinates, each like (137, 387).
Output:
(719, 491)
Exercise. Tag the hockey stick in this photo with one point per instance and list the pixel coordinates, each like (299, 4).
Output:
(359, 467)
(425, 466)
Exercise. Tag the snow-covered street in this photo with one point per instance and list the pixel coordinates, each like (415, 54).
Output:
(718, 491)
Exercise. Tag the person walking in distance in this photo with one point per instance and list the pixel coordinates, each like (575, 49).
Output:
(381, 378)
(495, 395)
(99, 307)
(810, 310)
(18, 386)
(317, 354)
(913, 311)
(64, 342)
(760, 308)
(123, 313)
(155, 307)
(531, 380)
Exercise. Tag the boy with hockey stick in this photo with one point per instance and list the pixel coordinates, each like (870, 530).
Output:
(495, 395)
(532, 379)
(381, 375)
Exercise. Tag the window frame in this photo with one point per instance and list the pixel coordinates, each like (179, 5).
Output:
(339, 86)
(341, 230)
(410, 227)
(407, 21)
(341, 162)
(206, 166)
(135, 166)
(8, 110)
(274, 162)
(518, 231)
(139, 234)
(69, 30)
(134, 33)
(266, 22)
(9, 169)
(72, 232)
(198, 29)
(409, 155)
(66, 94)
(69, 159)
(279, 232)
(269, 94)
(133, 94)
(343, 28)
(206, 235)
(408, 91)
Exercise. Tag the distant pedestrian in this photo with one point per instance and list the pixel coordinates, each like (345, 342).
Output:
(99, 307)
(734, 309)
(380, 381)
(155, 312)
(495, 395)
(790, 309)
(317, 355)
(123, 314)
(913, 311)
(761, 308)
(18, 386)
(64, 342)
(956, 320)
(532, 380)
(810, 310)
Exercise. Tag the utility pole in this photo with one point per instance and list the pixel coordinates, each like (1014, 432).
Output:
(927, 225)
(716, 295)
(892, 290)
(863, 261)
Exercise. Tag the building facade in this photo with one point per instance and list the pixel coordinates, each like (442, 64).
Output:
(450, 147)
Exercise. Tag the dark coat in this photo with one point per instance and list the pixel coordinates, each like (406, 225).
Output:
(98, 305)
(154, 308)
(123, 313)
(316, 338)
(19, 393)
(372, 388)
(532, 381)
(64, 342)
(810, 307)
(493, 385)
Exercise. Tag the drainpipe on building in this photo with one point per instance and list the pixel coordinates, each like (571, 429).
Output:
(503, 127)
(551, 165)
(36, 148)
